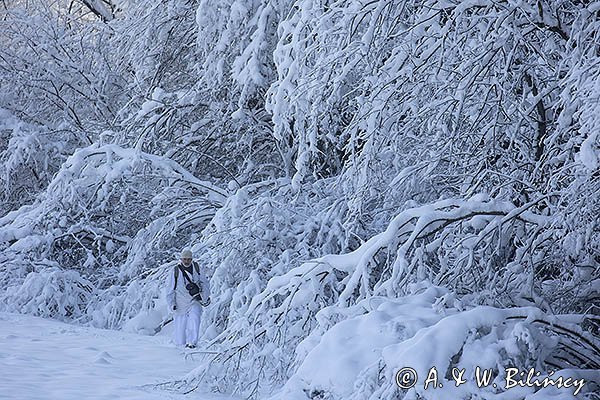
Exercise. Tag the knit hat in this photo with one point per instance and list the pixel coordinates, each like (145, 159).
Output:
(186, 253)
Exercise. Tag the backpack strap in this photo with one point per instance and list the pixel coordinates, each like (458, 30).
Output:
(183, 272)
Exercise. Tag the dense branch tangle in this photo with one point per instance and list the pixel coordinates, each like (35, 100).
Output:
(465, 233)
(446, 242)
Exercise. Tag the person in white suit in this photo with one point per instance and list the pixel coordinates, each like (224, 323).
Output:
(188, 290)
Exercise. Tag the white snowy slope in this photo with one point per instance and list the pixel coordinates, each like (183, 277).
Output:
(45, 359)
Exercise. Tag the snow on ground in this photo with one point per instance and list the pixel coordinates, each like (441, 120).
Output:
(46, 359)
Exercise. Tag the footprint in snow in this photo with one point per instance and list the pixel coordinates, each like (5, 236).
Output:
(102, 357)
(101, 360)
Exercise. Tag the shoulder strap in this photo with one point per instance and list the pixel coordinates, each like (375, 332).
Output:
(185, 275)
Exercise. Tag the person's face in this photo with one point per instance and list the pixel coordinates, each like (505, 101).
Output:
(186, 261)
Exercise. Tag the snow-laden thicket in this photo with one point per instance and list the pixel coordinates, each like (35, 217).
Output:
(370, 184)
(92, 230)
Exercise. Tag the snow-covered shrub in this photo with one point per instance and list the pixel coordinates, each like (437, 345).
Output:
(29, 156)
(52, 292)
(134, 306)
(360, 357)
(93, 219)
(572, 270)
(481, 248)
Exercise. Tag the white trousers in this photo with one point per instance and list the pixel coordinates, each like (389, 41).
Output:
(187, 324)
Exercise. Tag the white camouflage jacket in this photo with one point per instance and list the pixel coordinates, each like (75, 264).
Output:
(178, 295)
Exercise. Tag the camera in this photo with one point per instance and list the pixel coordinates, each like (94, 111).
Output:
(194, 291)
